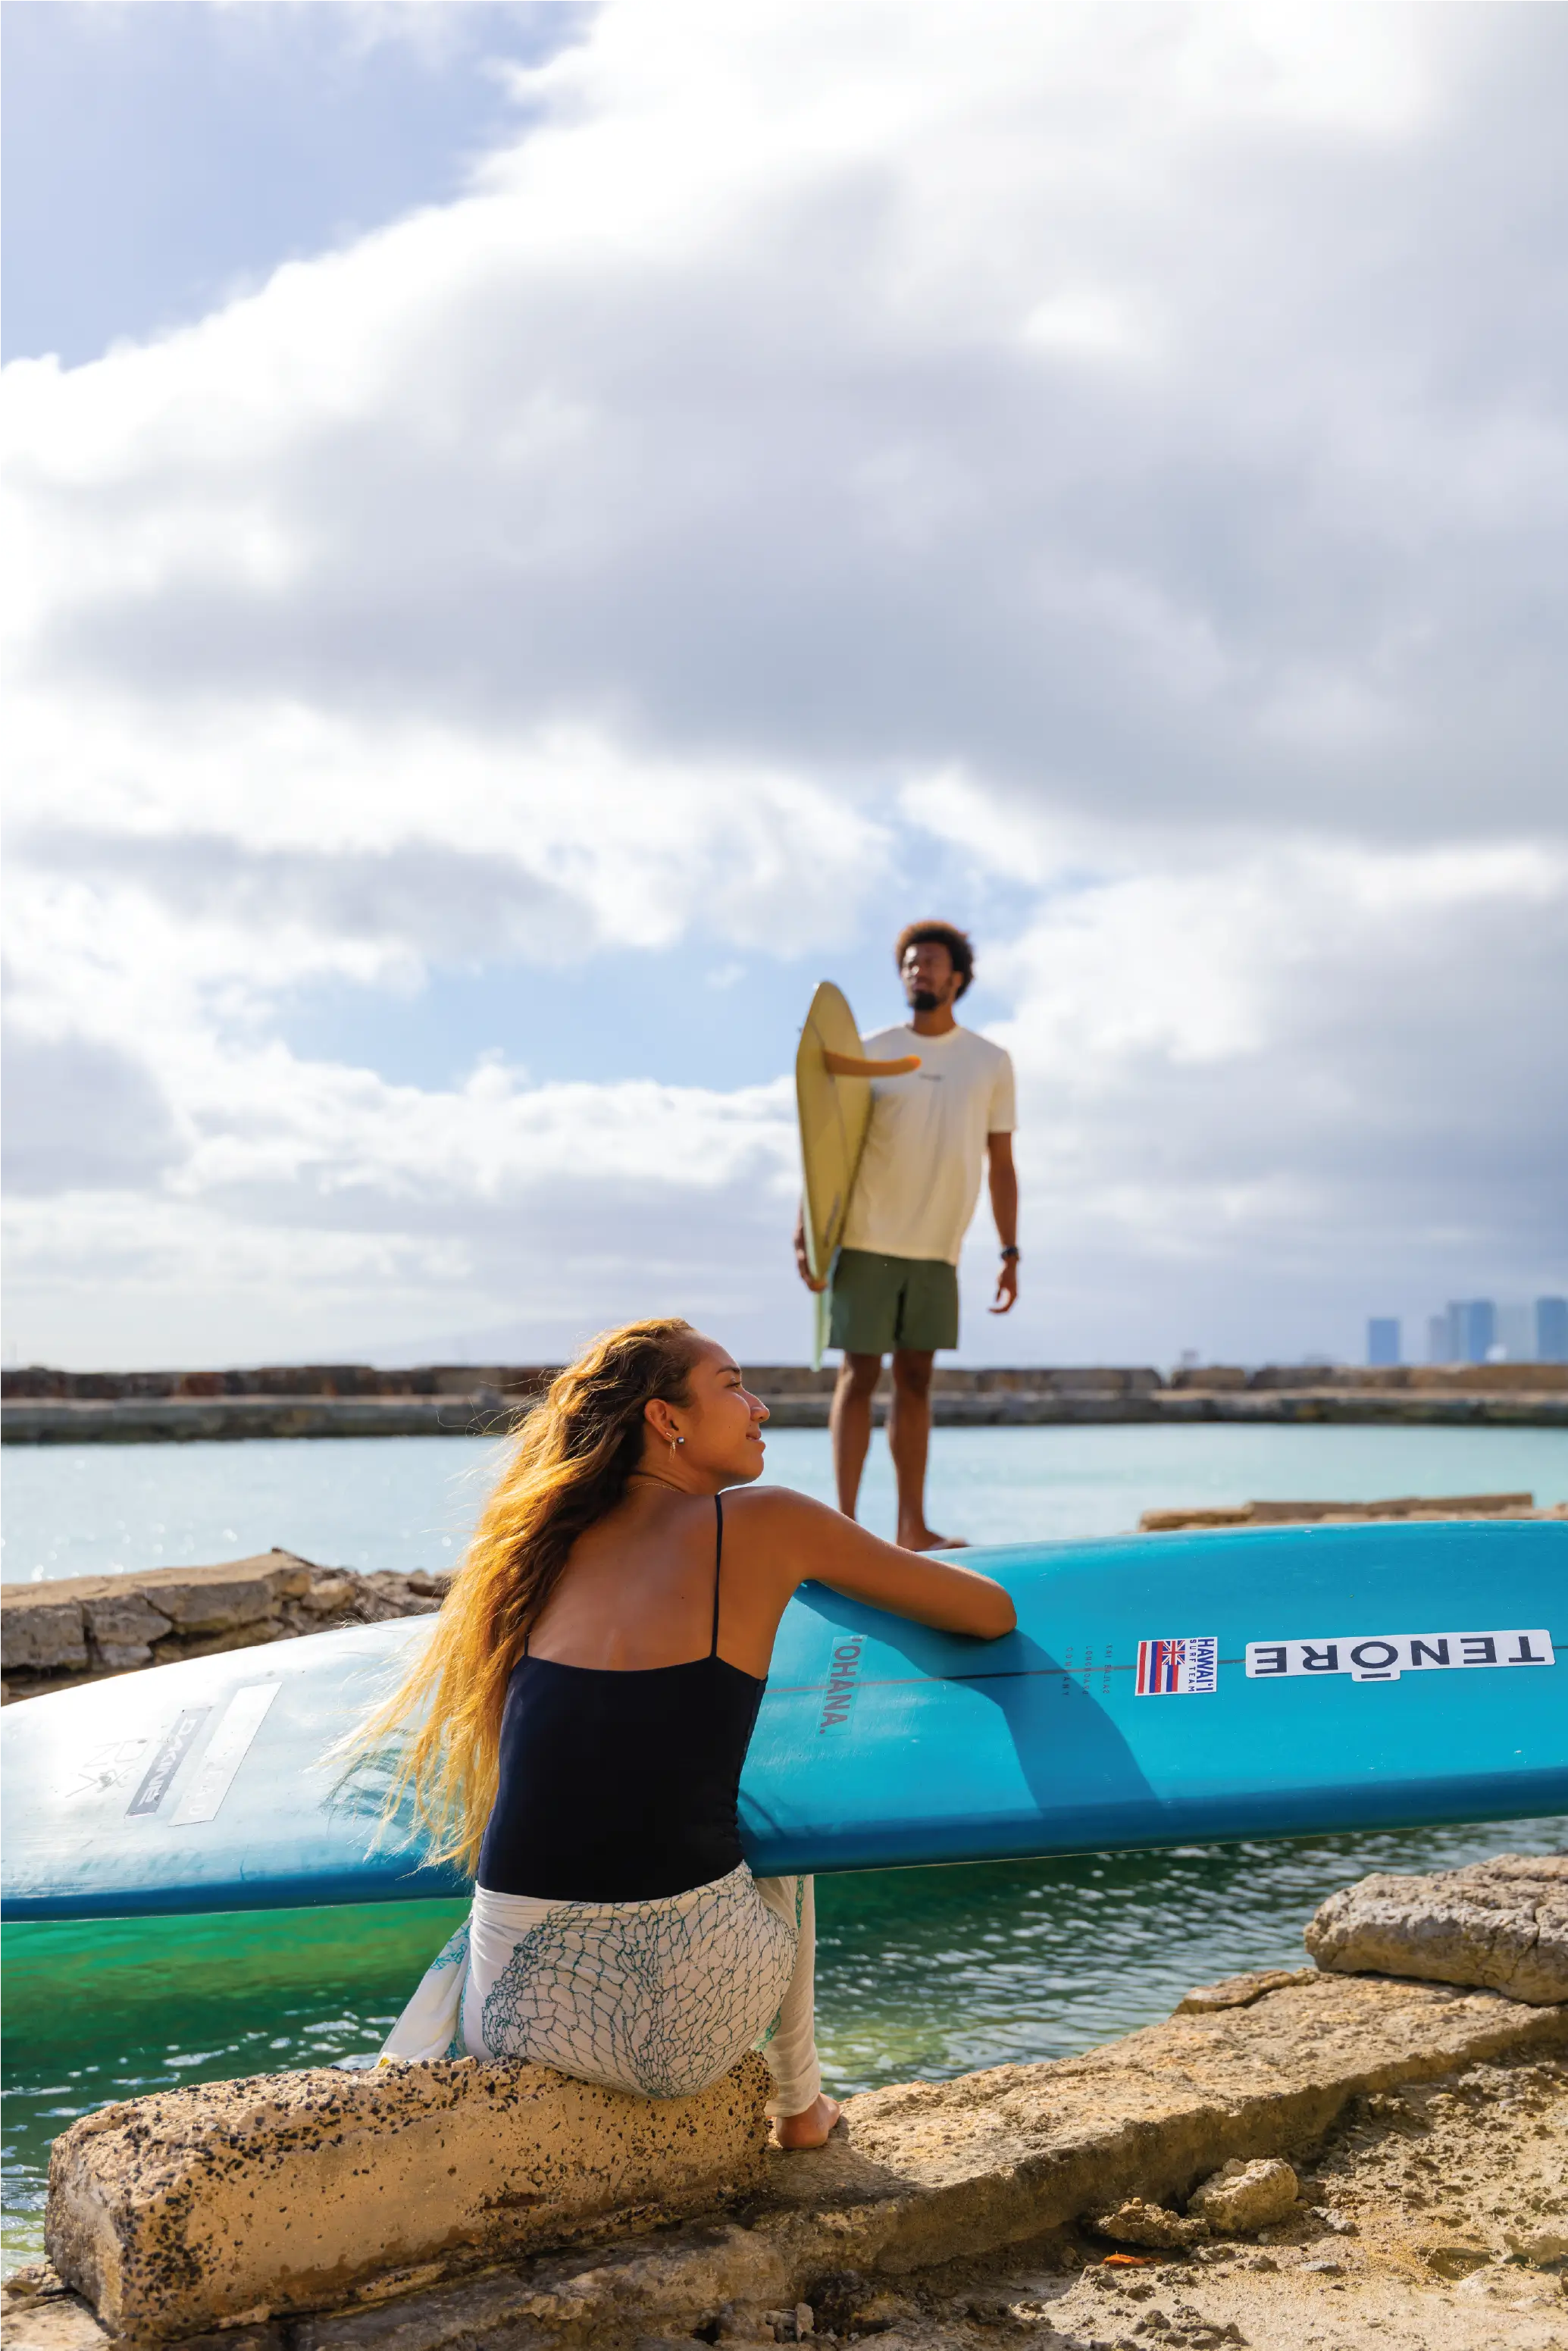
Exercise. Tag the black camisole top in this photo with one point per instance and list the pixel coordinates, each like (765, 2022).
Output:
(621, 1786)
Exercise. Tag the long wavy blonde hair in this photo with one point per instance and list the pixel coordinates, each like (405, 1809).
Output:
(567, 1467)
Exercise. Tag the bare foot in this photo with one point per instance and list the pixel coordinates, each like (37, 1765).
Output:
(922, 1539)
(810, 2129)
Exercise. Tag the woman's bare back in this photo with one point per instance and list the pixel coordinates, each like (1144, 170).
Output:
(638, 1590)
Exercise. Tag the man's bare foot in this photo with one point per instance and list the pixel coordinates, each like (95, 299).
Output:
(922, 1539)
(811, 2129)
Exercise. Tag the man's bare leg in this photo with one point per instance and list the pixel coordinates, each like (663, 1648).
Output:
(909, 1436)
(849, 1421)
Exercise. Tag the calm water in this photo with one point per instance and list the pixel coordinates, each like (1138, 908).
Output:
(921, 1973)
(405, 1502)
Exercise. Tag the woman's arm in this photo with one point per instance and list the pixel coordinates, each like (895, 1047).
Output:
(801, 1539)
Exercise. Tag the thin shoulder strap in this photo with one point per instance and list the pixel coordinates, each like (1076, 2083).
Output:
(717, 1562)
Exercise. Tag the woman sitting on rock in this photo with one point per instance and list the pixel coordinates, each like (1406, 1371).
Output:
(582, 1712)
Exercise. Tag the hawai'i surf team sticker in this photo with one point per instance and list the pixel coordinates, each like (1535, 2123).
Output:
(1188, 1667)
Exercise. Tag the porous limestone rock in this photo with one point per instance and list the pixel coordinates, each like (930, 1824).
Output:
(54, 1635)
(926, 2173)
(241, 1592)
(196, 2208)
(40, 1632)
(1238, 1991)
(124, 1626)
(1243, 2196)
(1543, 2246)
(1137, 2223)
(1501, 1923)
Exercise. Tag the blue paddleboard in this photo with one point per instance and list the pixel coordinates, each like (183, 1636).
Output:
(1159, 1690)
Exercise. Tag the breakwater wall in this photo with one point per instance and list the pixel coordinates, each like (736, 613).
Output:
(43, 1406)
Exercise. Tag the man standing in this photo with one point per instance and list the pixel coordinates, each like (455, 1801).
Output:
(895, 1281)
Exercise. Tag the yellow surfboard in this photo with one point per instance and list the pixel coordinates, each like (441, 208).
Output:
(832, 1095)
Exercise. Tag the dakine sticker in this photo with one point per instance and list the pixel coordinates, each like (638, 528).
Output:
(1185, 1669)
(1384, 1656)
(160, 1775)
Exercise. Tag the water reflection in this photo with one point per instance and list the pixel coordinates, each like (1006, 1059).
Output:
(931, 1972)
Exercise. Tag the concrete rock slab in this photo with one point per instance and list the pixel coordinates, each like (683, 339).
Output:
(213, 1599)
(931, 2173)
(42, 1631)
(1243, 2196)
(83, 1627)
(123, 1629)
(204, 2207)
(1240, 1991)
(1138, 2223)
(1501, 1923)
(931, 2177)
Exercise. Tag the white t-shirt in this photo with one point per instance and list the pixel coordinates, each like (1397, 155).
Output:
(925, 1149)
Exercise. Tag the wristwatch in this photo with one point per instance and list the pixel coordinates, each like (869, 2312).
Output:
(1012, 1251)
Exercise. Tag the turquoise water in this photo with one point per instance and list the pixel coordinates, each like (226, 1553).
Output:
(921, 1973)
(406, 1502)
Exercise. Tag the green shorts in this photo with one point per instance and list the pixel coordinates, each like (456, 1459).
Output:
(882, 1302)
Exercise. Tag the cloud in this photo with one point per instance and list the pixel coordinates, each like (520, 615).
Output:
(1103, 463)
(1315, 1086)
(80, 1115)
(734, 408)
(431, 24)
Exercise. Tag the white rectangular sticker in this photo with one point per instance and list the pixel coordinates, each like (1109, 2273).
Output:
(226, 1751)
(1384, 1656)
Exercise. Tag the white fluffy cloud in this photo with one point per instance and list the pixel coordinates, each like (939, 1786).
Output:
(1107, 460)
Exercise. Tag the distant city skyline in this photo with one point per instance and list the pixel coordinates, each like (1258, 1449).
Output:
(1479, 1330)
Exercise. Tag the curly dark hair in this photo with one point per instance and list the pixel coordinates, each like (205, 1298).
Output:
(942, 934)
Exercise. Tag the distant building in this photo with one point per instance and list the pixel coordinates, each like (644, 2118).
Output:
(1382, 1338)
(1515, 1330)
(1552, 1330)
(1437, 1339)
(1472, 1330)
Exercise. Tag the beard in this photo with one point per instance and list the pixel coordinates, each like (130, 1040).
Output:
(924, 999)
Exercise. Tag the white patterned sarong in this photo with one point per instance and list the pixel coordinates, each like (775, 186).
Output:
(660, 1997)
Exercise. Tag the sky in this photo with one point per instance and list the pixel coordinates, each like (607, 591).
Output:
(538, 533)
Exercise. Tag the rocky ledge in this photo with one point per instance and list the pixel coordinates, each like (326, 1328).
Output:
(1291, 2153)
(1502, 1923)
(198, 2208)
(54, 1635)
(1400, 1508)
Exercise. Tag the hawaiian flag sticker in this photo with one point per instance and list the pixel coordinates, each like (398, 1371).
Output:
(1185, 1669)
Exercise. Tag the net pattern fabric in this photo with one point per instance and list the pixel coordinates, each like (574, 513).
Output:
(658, 1997)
